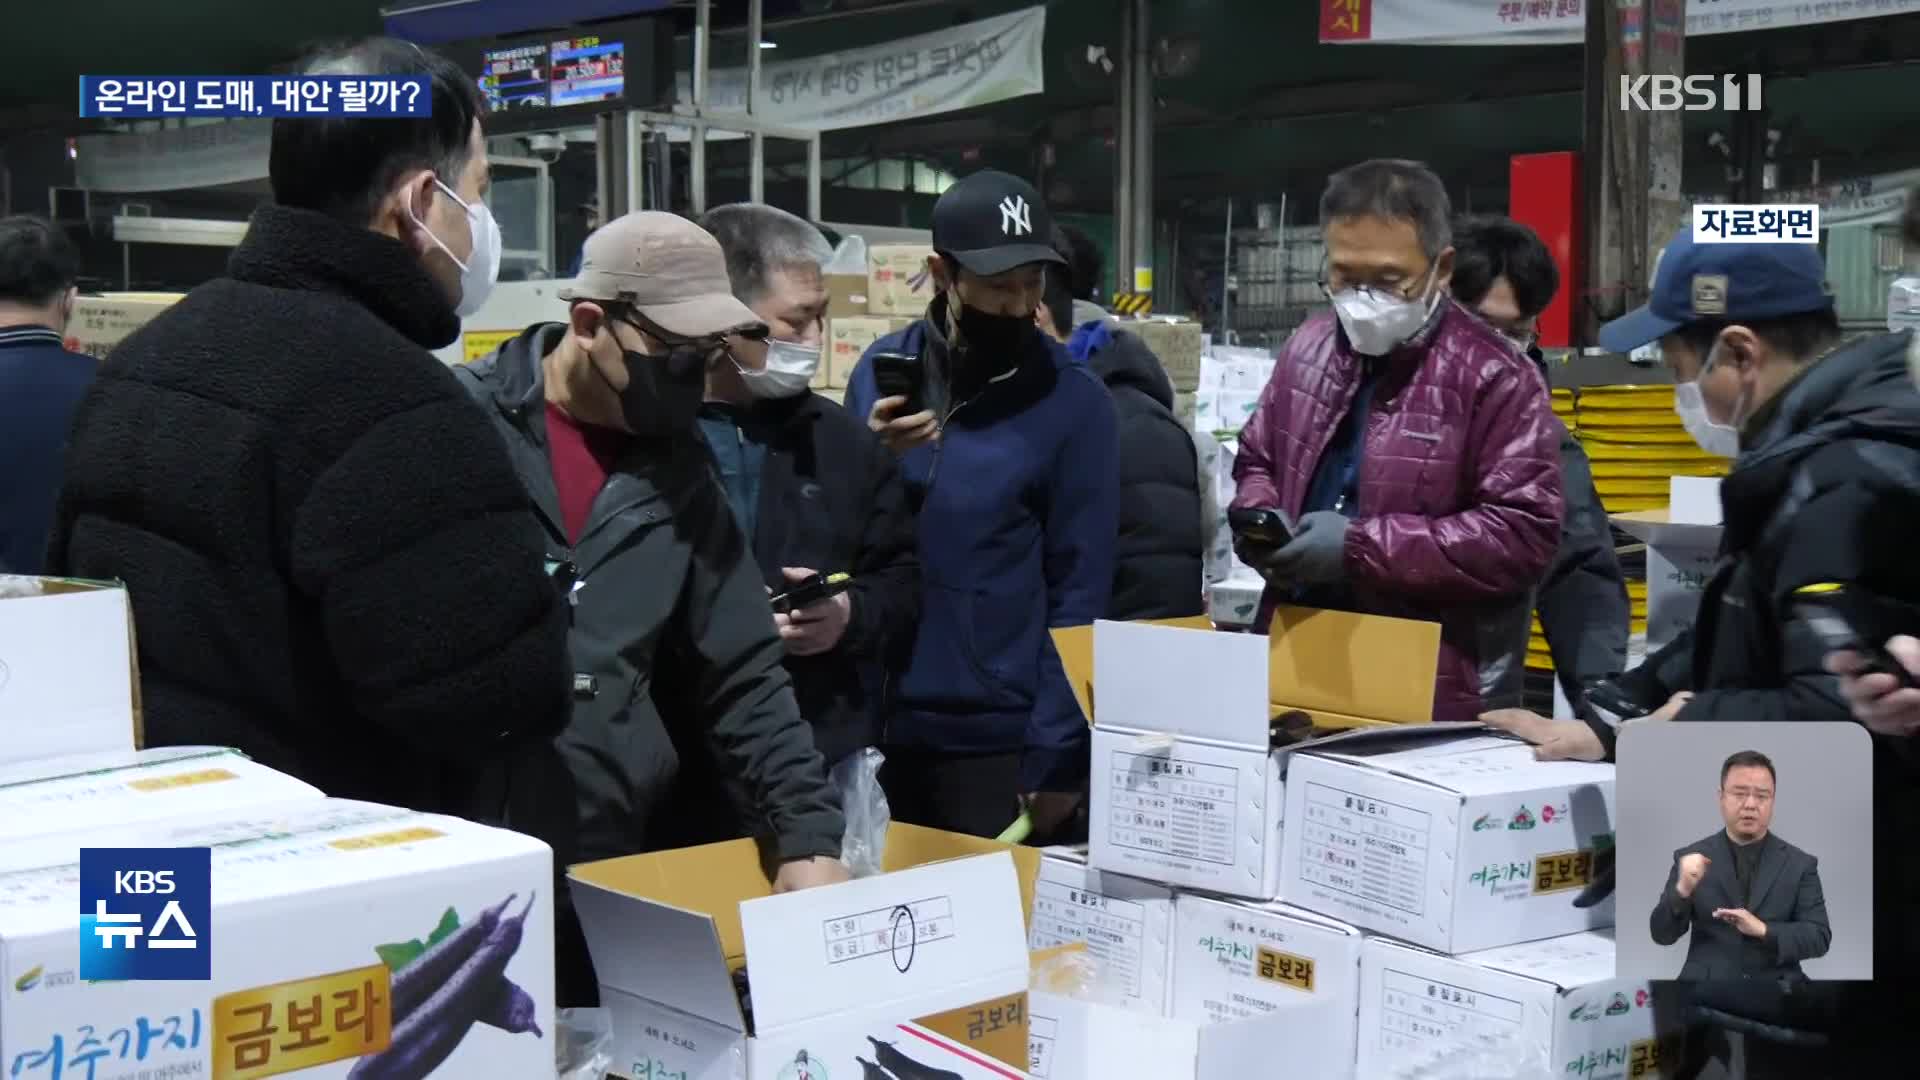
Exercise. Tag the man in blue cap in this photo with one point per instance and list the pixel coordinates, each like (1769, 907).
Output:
(1827, 436)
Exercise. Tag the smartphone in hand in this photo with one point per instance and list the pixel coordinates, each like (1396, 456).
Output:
(1835, 615)
(811, 591)
(900, 375)
(1261, 528)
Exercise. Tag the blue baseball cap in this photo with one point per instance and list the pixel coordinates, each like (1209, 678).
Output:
(1722, 283)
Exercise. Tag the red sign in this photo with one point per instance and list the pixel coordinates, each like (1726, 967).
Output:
(1346, 20)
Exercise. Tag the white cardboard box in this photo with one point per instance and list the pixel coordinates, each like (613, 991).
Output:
(1126, 923)
(1683, 545)
(1082, 1040)
(1185, 787)
(102, 791)
(1236, 961)
(66, 669)
(1458, 845)
(1545, 1008)
(1235, 602)
(926, 964)
(308, 898)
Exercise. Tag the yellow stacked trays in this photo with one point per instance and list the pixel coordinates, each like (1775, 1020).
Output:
(1636, 442)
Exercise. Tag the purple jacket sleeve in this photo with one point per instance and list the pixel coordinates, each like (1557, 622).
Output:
(1501, 545)
(1255, 485)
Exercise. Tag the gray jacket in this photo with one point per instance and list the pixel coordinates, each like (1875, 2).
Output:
(667, 591)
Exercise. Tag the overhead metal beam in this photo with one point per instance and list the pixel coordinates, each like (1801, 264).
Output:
(702, 60)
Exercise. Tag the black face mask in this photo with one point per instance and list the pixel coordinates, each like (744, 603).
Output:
(995, 340)
(664, 393)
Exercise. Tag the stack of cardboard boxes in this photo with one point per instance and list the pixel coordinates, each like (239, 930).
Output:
(862, 309)
(1368, 895)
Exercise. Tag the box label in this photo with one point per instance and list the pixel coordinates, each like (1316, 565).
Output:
(1042, 1035)
(1114, 930)
(1418, 1014)
(1285, 968)
(290, 1026)
(1365, 848)
(897, 931)
(147, 1039)
(1170, 806)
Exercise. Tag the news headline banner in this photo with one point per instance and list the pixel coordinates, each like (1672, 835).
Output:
(1773, 223)
(395, 96)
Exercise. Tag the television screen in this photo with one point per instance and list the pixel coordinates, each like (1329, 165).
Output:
(586, 70)
(515, 78)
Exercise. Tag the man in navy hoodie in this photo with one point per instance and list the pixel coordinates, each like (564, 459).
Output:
(1012, 461)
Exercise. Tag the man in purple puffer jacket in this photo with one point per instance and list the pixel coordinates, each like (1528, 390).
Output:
(1414, 450)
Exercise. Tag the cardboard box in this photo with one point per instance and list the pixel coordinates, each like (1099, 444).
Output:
(849, 339)
(1083, 1040)
(1230, 382)
(1126, 924)
(846, 296)
(69, 673)
(312, 901)
(101, 322)
(99, 791)
(1235, 961)
(1546, 1008)
(1178, 344)
(1235, 602)
(898, 282)
(1456, 845)
(1185, 786)
(926, 962)
(1683, 544)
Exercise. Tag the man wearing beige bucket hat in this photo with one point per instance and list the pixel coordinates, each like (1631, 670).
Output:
(600, 414)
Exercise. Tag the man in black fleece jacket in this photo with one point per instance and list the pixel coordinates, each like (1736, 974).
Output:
(329, 557)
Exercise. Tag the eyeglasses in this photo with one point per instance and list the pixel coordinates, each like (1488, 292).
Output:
(1404, 291)
(1741, 795)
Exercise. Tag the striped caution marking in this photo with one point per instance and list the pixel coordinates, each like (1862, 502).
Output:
(1132, 303)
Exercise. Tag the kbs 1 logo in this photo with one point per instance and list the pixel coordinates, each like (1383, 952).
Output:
(1690, 93)
(146, 914)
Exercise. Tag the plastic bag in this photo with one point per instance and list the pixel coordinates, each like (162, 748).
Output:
(857, 779)
(583, 1045)
(1074, 972)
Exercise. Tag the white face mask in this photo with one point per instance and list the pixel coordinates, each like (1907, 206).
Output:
(1378, 322)
(788, 372)
(481, 268)
(1721, 440)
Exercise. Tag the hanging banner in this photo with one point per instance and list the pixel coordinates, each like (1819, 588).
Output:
(174, 159)
(975, 63)
(1869, 200)
(1561, 22)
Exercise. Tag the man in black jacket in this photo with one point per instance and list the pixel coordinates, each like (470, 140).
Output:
(1159, 563)
(811, 486)
(1751, 901)
(600, 415)
(1503, 273)
(41, 383)
(326, 550)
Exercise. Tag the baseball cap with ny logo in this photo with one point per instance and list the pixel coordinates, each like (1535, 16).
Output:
(991, 222)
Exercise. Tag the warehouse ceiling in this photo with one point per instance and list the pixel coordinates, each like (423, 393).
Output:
(1249, 101)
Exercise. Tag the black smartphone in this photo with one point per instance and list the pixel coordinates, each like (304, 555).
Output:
(1835, 616)
(811, 591)
(1267, 528)
(900, 375)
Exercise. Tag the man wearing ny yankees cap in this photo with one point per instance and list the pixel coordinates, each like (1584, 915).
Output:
(1010, 453)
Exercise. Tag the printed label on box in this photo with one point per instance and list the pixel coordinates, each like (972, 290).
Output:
(1368, 849)
(1419, 1013)
(1115, 930)
(1170, 806)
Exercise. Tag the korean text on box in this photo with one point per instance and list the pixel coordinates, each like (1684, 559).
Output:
(340, 931)
(1235, 961)
(921, 970)
(1187, 787)
(1126, 924)
(1548, 1008)
(1456, 845)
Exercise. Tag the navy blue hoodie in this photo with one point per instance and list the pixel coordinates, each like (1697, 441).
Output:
(1018, 511)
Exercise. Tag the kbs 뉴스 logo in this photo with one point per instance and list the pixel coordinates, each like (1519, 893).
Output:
(146, 914)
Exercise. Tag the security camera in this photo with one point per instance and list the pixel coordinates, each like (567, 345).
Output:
(547, 146)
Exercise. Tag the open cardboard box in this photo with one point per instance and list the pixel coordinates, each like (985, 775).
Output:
(922, 966)
(1683, 544)
(1078, 1039)
(69, 669)
(1186, 788)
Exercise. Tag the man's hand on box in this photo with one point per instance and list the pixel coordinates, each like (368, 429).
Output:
(1050, 809)
(809, 873)
(1553, 740)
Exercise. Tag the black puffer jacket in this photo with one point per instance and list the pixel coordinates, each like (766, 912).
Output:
(1158, 568)
(331, 562)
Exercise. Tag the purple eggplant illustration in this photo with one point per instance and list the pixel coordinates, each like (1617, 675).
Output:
(432, 1031)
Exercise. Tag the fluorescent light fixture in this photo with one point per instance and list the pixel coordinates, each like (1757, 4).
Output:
(191, 231)
(768, 45)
